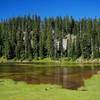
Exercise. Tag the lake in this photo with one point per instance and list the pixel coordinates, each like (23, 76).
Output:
(68, 77)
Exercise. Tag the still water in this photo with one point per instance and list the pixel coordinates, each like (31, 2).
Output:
(67, 77)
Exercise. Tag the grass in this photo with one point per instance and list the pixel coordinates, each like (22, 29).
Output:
(48, 61)
(3, 59)
(93, 84)
(62, 61)
(10, 90)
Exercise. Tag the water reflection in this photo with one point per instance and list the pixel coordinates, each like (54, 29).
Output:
(71, 78)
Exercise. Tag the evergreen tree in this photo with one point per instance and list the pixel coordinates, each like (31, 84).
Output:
(30, 37)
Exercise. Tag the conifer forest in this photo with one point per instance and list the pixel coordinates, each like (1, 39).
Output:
(32, 37)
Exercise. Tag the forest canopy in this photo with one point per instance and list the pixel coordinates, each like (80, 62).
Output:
(31, 37)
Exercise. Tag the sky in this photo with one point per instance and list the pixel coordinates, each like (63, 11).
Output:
(45, 8)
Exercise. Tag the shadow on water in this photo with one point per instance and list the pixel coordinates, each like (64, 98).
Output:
(70, 77)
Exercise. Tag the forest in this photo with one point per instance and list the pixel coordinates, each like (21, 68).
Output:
(33, 37)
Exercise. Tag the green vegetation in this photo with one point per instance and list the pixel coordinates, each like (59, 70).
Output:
(59, 41)
(30, 37)
(61, 61)
(93, 84)
(3, 59)
(10, 90)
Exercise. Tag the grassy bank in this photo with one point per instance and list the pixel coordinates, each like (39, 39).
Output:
(10, 90)
(61, 61)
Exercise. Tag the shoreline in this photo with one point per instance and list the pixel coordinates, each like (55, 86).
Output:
(35, 92)
(47, 61)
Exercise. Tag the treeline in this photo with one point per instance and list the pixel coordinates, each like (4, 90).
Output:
(31, 37)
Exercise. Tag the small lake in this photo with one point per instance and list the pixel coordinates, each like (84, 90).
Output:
(67, 77)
